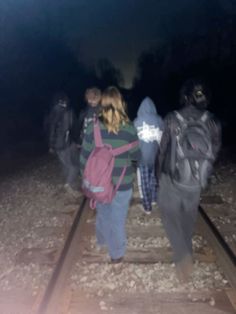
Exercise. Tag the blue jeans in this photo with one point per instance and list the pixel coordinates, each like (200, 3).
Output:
(110, 224)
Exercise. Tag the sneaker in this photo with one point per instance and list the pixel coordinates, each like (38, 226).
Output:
(154, 203)
(147, 212)
(100, 249)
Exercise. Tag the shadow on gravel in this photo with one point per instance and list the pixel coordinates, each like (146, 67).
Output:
(21, 156)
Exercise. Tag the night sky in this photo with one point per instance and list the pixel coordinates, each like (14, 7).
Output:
(55, 44)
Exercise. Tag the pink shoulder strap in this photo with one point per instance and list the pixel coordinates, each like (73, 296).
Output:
(116, 151)
(124, 148)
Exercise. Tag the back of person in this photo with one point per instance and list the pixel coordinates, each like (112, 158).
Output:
(179, 161)
(192, 155)
(195, 139)
(61, 141)
(149, 127)
(60, 126)
(116, 131)
(127, 134)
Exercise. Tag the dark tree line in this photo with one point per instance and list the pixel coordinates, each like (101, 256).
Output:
(210, 56)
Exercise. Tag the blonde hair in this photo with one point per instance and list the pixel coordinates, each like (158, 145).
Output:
(93, 95)
(113, 109)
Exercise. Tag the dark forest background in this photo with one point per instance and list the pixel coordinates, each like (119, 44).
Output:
(35, 64)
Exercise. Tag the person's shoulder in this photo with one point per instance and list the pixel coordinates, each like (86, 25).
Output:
(210, 115)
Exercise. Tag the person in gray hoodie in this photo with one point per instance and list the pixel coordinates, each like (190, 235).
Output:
(149, 127)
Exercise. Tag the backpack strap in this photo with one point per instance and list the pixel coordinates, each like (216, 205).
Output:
(119, 151)
(120, 178)
(204, 117)
(97, 134)
(124, 148)
(99, 142)
(179, 116)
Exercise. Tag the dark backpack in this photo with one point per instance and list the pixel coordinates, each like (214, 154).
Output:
(191, 156)
(97, 177)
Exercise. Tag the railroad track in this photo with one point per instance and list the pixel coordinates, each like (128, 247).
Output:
(147, 250)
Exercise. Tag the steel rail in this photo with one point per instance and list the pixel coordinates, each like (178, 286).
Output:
(219, 237)
(54, 278)
(224, 254)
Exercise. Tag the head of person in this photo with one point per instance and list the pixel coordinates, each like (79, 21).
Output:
(113, 110)
(195, 93)
(61, 99)
(93, 96)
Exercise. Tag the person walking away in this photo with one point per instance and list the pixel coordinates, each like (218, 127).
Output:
(149, 127)
(60, 140)
(189, 147)
(116, 131)
(86, 116)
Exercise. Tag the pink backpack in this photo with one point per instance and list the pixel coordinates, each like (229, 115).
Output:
(97, 178)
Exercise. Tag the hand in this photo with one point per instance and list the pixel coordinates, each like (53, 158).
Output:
(51, 150)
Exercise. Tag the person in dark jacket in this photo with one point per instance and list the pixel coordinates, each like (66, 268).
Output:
(86, 116)
(179, 204)
(149, 127)
(60, 140)
(116, 130)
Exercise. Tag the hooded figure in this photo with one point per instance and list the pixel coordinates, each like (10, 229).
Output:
(149, 127)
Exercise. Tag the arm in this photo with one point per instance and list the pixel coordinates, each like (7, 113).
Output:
(80, 126)
(216, 135)
(135, 153)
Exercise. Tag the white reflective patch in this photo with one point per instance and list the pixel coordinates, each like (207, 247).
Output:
(93, 189)
(148, 133)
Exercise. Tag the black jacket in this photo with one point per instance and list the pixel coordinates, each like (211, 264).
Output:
(86, 116)
(60, 125)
